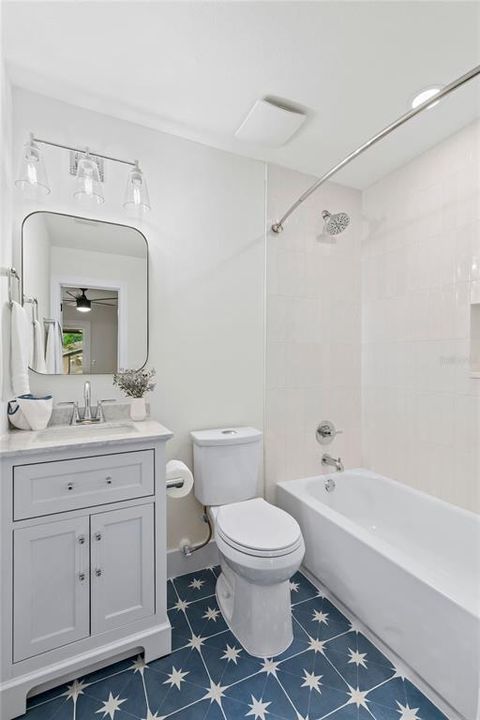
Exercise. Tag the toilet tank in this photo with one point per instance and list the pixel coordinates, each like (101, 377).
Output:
(226, 463)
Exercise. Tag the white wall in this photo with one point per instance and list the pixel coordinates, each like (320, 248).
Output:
(6, 255)
(313, 330)
(207, 252)
(129, 273)
(421, 407)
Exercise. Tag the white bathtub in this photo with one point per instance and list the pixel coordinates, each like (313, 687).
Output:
(406, 564)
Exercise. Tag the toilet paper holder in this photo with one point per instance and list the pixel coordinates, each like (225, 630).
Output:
(177, 482)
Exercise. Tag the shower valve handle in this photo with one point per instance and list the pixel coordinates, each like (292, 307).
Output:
(326, 432)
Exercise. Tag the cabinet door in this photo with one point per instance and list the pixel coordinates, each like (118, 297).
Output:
(51, 586)
(122, 567)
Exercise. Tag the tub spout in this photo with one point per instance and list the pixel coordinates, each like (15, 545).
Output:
(328, 460)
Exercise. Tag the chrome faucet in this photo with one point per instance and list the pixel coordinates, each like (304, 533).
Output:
(87, 415)
(328, 460)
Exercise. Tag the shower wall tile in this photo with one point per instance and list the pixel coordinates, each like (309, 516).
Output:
(420, 262)
(313, 335)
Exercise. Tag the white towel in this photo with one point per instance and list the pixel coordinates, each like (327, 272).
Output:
(20, 339)
(53, 353)
(38, 355)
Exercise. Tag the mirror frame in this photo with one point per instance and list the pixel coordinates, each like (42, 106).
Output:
(96, 220)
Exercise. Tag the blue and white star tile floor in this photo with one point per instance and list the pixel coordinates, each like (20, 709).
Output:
(330, 670)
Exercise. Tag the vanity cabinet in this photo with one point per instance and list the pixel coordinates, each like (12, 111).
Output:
(83, 560)
(82, 576)
(122, 569)
(51, 586)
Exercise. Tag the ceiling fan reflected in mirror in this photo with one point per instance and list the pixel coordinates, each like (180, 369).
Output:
(84, 303)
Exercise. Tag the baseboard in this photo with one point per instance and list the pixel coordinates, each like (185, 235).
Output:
(178, 564)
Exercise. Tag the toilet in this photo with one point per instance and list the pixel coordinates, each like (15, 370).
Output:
(260, 545)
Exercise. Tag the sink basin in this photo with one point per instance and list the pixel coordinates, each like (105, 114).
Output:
(73, 432)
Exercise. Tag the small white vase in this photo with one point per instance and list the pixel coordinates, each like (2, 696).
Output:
(138, 409)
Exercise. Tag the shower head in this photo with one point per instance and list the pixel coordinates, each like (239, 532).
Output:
(336, 223)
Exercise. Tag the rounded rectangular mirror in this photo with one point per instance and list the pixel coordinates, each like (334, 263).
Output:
(85, 286)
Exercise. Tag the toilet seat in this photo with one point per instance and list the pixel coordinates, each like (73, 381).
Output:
(255, 527)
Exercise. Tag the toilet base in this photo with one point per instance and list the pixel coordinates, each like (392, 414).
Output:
(258, 615)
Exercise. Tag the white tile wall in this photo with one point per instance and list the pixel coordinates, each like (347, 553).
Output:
(421, 408)
(313, 330)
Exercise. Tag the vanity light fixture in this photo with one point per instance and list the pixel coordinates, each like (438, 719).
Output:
(32, 172)
(87, 167)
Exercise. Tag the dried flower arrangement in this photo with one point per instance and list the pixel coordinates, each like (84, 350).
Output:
(134, 383)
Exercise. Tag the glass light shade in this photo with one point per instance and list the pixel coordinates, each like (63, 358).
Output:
(32, 174)
(136, 192)
(88, 185)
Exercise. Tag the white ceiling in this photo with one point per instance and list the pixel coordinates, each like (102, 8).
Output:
(195, 68)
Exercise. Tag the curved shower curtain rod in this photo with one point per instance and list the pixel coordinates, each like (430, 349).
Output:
(278, 226)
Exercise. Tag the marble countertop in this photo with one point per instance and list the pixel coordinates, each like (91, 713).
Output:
(63, 437)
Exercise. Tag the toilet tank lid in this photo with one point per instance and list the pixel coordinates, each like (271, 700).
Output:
(226, 436)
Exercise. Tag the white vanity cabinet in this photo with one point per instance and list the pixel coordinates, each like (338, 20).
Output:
(83, 558)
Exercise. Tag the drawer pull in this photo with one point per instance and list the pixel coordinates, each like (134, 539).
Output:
(81, 577)
(70, 486)
(98, 572)
(98, 536)
(109, 479)
(81, 539)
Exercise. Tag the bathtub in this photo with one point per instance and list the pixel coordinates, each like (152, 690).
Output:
(406, 564)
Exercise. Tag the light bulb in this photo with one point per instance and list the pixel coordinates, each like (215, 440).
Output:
(88, 183)
(136, 192)
(32, 174)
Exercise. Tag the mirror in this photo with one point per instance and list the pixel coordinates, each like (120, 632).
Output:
(85, 286)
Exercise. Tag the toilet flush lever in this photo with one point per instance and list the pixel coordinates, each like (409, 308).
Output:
(326, 432)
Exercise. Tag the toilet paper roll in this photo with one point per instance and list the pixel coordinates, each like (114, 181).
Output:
(178, 469)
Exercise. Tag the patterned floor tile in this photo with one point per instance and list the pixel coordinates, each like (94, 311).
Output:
(320, 618)
(330, 670)
(400, 700)
(205, 618)
(301, 589)
(172, 597)
(195, 586)
(181, 631)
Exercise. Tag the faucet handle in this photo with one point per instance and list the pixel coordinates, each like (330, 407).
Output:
(75, 414)
(326, 432)
(99, 415)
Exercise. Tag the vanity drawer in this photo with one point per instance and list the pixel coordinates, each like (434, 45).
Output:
(61, 485)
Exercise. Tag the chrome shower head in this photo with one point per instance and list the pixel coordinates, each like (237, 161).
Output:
(336, 223)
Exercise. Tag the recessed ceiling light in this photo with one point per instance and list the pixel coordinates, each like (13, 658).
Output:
(424, 96)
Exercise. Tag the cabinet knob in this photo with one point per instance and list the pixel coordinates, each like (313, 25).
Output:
(98, 572)
(108, 479)
(81, 577)
(81, 539)
(98, 536)
(70, 486)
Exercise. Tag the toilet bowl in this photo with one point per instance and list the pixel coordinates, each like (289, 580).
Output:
(260, 545)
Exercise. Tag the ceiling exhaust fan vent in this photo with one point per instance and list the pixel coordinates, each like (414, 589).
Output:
(271, 122)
